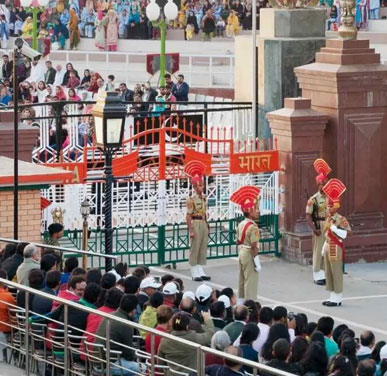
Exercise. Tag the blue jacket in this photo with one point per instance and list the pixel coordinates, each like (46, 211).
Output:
(181, 92)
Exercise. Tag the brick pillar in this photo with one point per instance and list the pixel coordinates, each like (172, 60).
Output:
(348, 83)
(29, 215)
(299, 131)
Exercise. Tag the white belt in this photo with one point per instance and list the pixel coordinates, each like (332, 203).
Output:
(248, 248)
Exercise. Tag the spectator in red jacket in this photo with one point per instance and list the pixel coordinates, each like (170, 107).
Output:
(164, 316)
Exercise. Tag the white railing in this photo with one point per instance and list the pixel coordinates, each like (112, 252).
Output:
(136, 203)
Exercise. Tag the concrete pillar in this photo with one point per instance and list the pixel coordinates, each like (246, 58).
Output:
(299, 132)
(348, 83)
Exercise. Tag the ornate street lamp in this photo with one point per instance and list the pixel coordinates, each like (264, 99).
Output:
(160, 19)
(85, 212)
(109, 123)
(34, 5)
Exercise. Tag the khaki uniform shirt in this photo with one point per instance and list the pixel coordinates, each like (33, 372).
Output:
(322, 205)
(196, 205)
(252, 233)
(340, 221)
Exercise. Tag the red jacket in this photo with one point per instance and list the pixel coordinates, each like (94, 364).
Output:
(65, 294)
(5, 300)
(157, 340)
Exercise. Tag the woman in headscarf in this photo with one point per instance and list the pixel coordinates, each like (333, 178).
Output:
(74, 30)
(112, 30)
(61, 34)
(41, 91)
(93, 88)
(232, 27)
(73, 97)
(100, 32)
(60, 94)
(27, 28)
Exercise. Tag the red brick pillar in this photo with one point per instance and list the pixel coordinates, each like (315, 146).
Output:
(299, 131)
(348, 83)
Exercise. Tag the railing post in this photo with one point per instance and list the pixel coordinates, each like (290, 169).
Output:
(199, 362)
(108, 369)
(65, 340)
(27, 332)
(152, 338)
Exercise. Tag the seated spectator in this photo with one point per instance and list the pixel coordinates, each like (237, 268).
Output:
(48, 263)
(219, 341)
(277, 331)
(325, 325)
(169, 291)
(41, 305)
(74, 291)
(375, 355)
(340, 365)
(230, 367)
(366, 367)
(315, 360)
(281, 351)
(139, 272)
(333, 19)
(297, 352)
(280, 315)
(132, 286)
(7, 252)
(208, 26)
(148, 287)
(149, 315)
(107, 281)
(203, 296)
(367, 343)
(188, 306)
(73, 81)
(35, 281)
(31, 261)
(121, 334)
(11, 264)
(253, 308)
(6, 303)
(250, 334)
(338, 331)
(218, 312)
(121, 270)
(234, 329)
(229, 292)
(163, 315)
(183, 355)
(181, 89)
(348, 348)
(70, 264)
(167, 278)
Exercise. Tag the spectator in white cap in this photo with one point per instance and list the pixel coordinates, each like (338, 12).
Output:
(382, 366)
(189, 294)
(188, 305)
(170, 291)
(203, 298)
(148, 287)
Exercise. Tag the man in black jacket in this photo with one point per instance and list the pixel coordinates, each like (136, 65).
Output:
(49, 77)
(11, 264)
(125, 93)
(122, 334)
(181, 89)
(7, 67)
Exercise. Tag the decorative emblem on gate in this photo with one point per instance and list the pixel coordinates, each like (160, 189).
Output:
(58, 215)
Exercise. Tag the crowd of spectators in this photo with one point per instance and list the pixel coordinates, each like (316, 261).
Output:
(271, 336)
(41, 82)
(64, 23)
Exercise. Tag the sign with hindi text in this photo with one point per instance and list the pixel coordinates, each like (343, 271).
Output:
(254, 162)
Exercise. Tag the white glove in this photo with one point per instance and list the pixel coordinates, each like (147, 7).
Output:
(323, 250)
(257, 263)
(339, 232)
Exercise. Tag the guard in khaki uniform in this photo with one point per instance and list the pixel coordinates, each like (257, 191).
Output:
(316, 213)
(248, 240)
(336, 230)
(197, 221)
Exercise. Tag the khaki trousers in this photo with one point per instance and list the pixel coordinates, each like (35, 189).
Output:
(248, 276)
(318, 258)
(334, 271)
(198, 247)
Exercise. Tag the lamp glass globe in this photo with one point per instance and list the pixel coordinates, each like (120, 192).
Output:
(25, 3)
(170, 10)
(153, 11)
(43, 3)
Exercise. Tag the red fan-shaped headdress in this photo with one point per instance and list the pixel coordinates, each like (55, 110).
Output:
(195, 170)
(322, 168)
(44, 203)
(246, 197)
(334, 189)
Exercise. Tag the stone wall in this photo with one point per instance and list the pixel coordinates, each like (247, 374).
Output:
(29, 214)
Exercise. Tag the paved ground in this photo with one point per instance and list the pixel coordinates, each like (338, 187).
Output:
(280, 282)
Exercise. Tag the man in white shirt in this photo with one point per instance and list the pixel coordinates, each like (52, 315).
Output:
(281, 316)
(265, 322)
(37, 72)
(59, 75)
(367, 343)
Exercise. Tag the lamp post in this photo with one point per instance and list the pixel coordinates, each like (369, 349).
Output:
(109, 122)
(85, 212)
(34, 5)
(158, 18)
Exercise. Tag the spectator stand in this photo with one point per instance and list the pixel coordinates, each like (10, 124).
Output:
(62, 351)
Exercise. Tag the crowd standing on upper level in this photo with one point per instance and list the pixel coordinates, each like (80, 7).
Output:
(210, 317)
